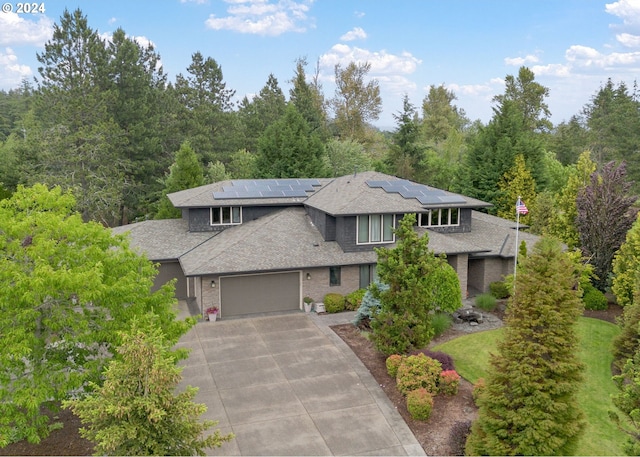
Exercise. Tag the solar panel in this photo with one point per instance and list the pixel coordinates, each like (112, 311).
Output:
(267, 188)
(424, 194)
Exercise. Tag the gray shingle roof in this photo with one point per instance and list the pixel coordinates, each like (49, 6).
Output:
(287, 239)
(282, 240)
(163, 239)
(349, 195)
(345, 195)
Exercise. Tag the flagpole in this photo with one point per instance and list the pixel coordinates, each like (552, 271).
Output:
(515, 263)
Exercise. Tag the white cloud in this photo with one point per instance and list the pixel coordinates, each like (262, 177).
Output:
(112, 21)
(143, 41)
(359, 14)
(627, 10)
(261, 17)
(476, 90)
(552, 69)
(16, 30)
(586, 57)
(357, 33)
(11, 72)
(520, 61)
(628, 40)
(382, 62)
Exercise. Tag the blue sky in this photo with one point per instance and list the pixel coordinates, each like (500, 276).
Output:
(573, 46)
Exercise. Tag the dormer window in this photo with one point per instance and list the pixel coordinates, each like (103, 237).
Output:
(442, 217)
(226, 215)
(375, 228)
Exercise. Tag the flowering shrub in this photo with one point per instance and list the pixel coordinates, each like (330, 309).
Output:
(418, 371)
(212, 310)
(449, 382)
(420, 404)
(393, 363)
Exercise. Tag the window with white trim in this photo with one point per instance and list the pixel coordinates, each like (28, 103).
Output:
(226, 215)
(375, 228)
(439, 217)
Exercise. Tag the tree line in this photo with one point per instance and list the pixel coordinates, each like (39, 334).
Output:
(103, 120)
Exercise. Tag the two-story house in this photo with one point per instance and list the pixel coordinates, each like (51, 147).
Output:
(260, 246)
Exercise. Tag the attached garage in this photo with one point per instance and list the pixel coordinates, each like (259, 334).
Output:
(168, 271)
(260, 293)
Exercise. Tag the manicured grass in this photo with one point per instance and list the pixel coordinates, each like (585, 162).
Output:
(601, 437)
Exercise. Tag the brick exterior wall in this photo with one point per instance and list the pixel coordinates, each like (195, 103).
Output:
(318, 286)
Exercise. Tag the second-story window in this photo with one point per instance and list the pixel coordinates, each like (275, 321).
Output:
(226, 215)
(375, 228)
(439, 217)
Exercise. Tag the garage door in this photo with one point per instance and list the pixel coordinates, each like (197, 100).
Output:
(264, 293)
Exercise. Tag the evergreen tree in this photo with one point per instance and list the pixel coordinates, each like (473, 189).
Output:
(419, 284)
(627, 400)
(243, 165)
(406, 153)
(440, 117)
(605, 215)
(517, 182)
(206, 109)
(185, 173)
(262, 111)
(308, 100)
(288, 149)
(627, 342)
(136, 411)
(626, 266)
(493, 153)
(529, 404)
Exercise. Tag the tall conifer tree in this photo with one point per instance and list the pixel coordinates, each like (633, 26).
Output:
(529, 405)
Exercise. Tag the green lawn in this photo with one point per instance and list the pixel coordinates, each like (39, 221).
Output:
(601, 437)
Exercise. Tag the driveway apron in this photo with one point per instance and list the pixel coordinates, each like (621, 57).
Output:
(288, 385)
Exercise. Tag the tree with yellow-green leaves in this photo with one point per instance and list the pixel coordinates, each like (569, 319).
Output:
(516, 182)
(563, 225)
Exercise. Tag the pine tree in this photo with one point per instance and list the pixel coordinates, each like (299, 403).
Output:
(529, 405)
(185, 173)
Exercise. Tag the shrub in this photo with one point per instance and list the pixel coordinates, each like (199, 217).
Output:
(418, 371)
(334, 303)
(393, 363)
(446, 361)
(369, 306)
(440, 323)
(420, 404)
(499, 289)
(399, 333)
(593, 298)
(478, 388)
(449, 382)
(486, 302)
(458, 436)
(354, 299)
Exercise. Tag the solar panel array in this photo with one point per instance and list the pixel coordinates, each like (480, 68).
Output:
(267, 188)
(424, 194)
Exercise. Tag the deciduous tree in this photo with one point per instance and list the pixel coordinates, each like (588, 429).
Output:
(66, 289)
(605, 215)
(356, 101)
(529, 405)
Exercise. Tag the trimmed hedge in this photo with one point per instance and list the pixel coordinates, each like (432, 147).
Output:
(334, 303)
(420, 404)
(354, 299)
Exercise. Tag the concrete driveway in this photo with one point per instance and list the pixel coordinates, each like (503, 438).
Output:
(287, 385)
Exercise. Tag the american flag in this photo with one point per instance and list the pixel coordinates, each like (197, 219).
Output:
(521, 208)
